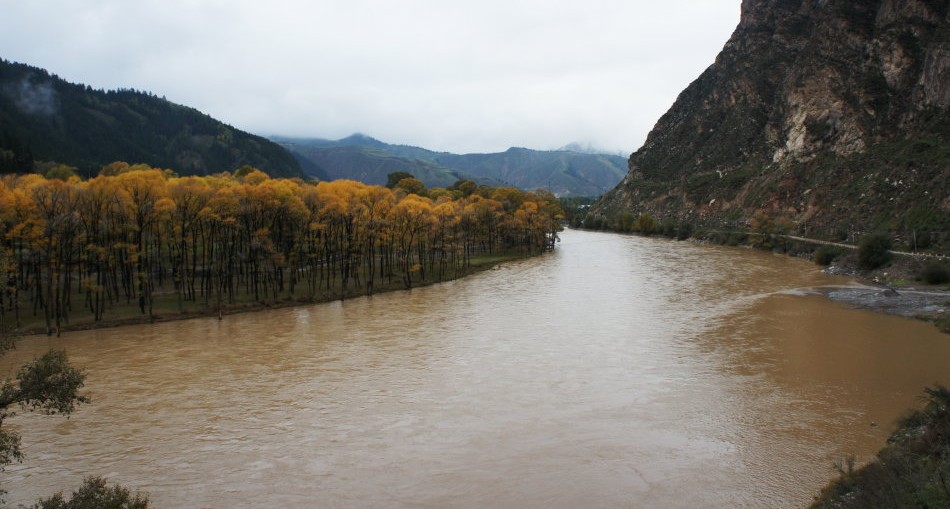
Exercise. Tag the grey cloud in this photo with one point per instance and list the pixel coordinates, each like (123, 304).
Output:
(457, 76)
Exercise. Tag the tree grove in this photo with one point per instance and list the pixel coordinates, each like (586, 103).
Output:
(136, 233)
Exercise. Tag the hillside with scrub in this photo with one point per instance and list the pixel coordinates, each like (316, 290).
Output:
(832, 116)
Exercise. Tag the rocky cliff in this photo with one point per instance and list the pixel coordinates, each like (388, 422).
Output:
(830, 113)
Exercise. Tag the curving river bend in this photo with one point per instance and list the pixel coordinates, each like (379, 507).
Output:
(616, 372)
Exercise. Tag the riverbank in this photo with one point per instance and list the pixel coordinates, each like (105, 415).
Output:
(167, 306)
(931, 305)
(893, 289)
(913, 470)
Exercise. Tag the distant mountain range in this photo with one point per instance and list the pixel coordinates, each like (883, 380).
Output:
(363, 158)
(45, 118)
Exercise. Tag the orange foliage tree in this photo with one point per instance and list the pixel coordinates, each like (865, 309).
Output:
(135, 233)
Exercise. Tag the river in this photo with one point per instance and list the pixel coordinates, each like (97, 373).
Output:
(618, 371)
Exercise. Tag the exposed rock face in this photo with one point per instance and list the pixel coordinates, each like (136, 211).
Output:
(828, 112)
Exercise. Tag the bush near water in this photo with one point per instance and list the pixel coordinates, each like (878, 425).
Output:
(912, 471)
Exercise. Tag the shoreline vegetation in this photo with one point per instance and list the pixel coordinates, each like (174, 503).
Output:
(912, 470)
(137, 244)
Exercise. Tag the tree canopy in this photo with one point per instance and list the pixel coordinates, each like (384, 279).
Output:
(73, 246)
(48, 384)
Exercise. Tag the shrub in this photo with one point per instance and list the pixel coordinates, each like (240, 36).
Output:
(874, 251)
(595, 222)
(668, 228)
(96, 494)
(841, 234)
(728, 238)
(645, 224)
(393, 178)
(921, 240)
(911, 471)
(412, 186)
(627, 222)
(684, 231)
(824, 255)
(935, 273)
(737, 239)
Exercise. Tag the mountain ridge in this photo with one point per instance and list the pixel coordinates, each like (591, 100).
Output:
(563, 172)
(44, 117)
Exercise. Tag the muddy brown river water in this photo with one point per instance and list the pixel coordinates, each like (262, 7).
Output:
(615, 372)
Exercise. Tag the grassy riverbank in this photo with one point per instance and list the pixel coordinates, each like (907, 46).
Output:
(913, 470)
(167, 306)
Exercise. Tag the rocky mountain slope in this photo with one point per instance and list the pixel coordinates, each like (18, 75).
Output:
(45, 118)
(830, 113)
(360, 157)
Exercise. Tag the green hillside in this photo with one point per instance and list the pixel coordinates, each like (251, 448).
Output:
(370, 165)
(45, 118)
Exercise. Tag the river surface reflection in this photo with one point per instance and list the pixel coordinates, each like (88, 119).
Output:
(616, 372)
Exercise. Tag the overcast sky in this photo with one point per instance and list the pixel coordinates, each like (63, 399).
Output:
(478, 76)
